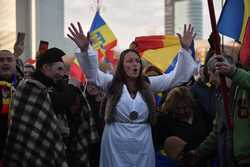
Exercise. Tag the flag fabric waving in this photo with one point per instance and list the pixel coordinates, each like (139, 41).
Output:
(101, 37)
(76, 72)
(233, 18)
(160, 50)
(155, 42)
(245, 48)
(174, 61)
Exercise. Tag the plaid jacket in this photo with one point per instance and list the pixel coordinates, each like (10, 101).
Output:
(34, 137)
(82, 133)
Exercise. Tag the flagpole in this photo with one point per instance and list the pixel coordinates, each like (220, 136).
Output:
(98, 5)
(214, 26)
(223, 86)
(222, 37)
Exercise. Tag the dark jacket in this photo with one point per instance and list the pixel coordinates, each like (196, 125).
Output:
(193, 133)
(205, 96)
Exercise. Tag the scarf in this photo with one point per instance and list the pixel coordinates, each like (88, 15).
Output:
(6, 96)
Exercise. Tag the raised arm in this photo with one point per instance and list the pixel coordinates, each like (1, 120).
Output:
(184, 68)
(88, 57)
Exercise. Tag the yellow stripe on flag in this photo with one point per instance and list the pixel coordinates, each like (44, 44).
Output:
(101, 37)
(170, 40)
(161, 58)
(245, 18)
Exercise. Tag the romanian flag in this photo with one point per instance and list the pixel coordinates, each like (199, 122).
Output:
(245, 48)
(159, 50)
(233, 18)
(101, 37)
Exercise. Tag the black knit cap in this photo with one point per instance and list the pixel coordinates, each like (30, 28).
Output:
(52, 55)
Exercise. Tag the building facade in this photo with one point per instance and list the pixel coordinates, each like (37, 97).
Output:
(42, 20)
(8, 24)
(179, 12)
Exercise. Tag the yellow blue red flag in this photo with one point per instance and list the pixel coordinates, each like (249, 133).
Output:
(101, 37)
(245, 47)
(160, 50)
(233, 18)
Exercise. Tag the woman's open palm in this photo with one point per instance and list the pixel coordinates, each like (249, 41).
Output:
(78, 36)
(188, 36)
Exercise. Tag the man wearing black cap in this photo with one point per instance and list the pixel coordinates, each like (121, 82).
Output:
(35, 135)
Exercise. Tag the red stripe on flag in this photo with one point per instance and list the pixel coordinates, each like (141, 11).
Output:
(149, 42)
(111, 57)
(111, 45)
(245, 48)
(76, 73)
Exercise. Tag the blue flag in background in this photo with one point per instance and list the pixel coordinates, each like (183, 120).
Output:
(233, 18)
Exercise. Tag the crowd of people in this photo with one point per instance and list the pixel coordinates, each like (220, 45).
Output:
(49, 119)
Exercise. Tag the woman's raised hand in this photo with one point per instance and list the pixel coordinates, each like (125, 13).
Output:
(188, 36)
(77, 35)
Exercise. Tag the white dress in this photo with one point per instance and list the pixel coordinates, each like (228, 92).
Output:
(126, 142)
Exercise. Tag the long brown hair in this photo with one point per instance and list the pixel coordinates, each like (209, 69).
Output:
(115, 89)
(120, 74)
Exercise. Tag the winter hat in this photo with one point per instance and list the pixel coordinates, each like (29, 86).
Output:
(52, 55)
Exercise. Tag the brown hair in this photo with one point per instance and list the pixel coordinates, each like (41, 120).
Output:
(115, 89)
(120, 74)
(182, 93)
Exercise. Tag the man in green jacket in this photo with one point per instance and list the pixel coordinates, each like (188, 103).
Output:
(232, 144)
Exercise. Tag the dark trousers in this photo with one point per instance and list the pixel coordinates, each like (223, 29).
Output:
(3, 132)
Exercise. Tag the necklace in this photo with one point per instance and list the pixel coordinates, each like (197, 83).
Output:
(132, 95)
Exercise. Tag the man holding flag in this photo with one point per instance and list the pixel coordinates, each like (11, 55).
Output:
(230, 135)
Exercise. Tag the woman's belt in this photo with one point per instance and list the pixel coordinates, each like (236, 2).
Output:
(133, 116)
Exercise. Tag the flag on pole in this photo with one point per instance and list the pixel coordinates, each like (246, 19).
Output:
(233, 18)
(245, 47)
(101, 37)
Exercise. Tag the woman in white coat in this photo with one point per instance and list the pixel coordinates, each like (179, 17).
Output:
(127, 138)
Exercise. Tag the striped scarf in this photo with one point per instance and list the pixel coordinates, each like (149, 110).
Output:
(6, 96)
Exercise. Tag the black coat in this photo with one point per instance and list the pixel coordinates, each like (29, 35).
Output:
(193, 133)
